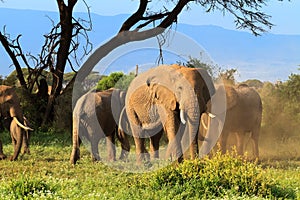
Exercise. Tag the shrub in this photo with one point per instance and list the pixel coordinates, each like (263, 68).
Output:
(219, 176)
(109, 81)
(26, 188)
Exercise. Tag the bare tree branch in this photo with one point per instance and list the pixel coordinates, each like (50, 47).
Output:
(136, 17)
(6, 44)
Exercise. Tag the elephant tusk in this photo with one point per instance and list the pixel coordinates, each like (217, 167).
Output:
(21, 125)
(203, 124)
(120, 119)
(182, 116)
(211, 115)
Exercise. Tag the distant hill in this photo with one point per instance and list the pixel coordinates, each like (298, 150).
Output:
(268, 57)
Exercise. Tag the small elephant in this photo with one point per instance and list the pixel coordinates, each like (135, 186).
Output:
(95, 116)
(167, 97)
(10, 110)
(243, 114)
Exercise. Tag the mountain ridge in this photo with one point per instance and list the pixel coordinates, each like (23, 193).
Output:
(276, 53)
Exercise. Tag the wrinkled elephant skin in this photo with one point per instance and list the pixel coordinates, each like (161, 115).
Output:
(167, 97)
(96, 116)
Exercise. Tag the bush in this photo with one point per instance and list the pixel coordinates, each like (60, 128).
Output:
(109, 81)
(218, 177)
(279, 138)
(26, 188)
(116, 80)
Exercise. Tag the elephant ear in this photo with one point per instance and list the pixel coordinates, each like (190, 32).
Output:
(166, 97)
(231, 97)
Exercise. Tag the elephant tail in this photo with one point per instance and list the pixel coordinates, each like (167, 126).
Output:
(75, 155)
(121, 119)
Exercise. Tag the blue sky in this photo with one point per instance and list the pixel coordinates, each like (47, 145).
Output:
(284, 14)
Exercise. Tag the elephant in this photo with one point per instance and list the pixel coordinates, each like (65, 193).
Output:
(243, 114)
(95, 116)
(167, 98)
(12, 114)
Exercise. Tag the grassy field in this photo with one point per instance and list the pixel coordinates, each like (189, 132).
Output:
(47, 174)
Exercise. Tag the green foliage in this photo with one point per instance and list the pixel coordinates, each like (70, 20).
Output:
(109, 81)
(124, 81)
(28, 188)
(116, 79)
(290, 92)
(62, 119)
(218, 176)
(30, 106)
(228, 76)
(212, 69)
(281, 119)
(12, 79)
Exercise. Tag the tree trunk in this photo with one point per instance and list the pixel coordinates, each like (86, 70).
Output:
(62, 55)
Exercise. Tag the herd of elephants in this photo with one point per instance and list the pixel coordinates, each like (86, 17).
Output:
(183, 103)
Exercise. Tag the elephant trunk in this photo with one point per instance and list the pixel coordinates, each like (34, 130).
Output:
(193, 114)
(75, 155)
(18, 141)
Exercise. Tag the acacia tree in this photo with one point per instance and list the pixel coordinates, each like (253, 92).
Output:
(61, 43)
(142, 24)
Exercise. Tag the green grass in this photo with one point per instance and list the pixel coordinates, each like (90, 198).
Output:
(47, 174)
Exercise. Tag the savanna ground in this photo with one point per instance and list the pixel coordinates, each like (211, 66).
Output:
(47, 174)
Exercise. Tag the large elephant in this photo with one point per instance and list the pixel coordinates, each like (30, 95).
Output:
(243, 114)
(10, 110)
(167, 97)
(95, 116)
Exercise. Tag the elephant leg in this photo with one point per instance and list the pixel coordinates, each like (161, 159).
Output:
(13, 141)
(141, 152)
(122, 137)
(26, 138)
(111, 147)
(95, 149)
(26, 143)
(223, 141)
(254, 141)
(174, 149)
(154, 144)
(240, 143)
(2, 155)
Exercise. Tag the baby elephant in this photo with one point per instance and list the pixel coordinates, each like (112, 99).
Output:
(95, 116)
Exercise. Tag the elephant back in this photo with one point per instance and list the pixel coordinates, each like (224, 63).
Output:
(232, 96)
(249, 96)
